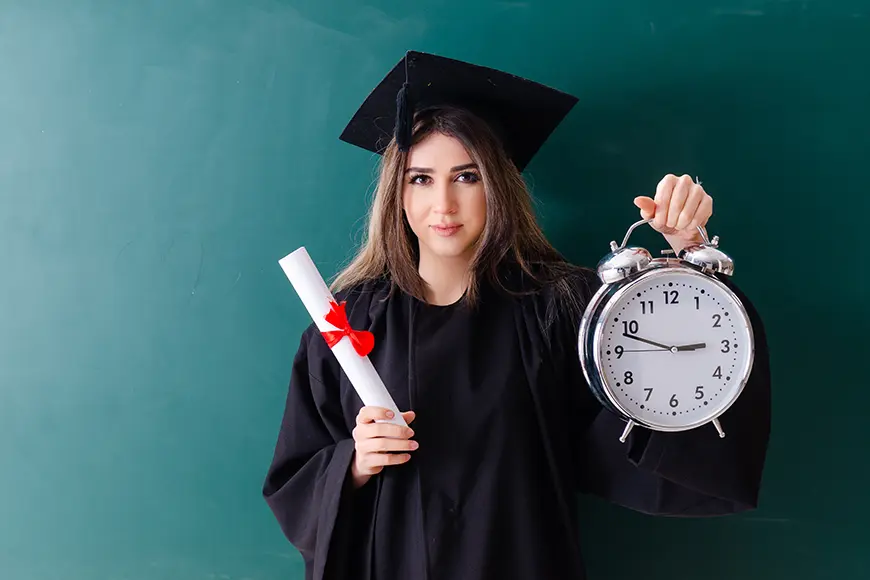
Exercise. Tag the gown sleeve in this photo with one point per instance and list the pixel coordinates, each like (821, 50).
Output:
(307, 485)
(690, 473)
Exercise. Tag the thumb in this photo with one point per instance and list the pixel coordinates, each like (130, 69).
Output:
(409, 416)
(647, 206)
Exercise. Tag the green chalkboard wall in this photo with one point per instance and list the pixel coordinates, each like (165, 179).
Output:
(158, 157)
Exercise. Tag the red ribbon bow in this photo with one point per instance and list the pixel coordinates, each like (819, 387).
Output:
(363, 341)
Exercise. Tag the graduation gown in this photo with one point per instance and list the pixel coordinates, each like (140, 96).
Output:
(509, 433)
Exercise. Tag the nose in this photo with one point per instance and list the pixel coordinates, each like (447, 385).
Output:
(445, 200)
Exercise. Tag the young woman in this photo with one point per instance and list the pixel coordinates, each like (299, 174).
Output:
(475, 317)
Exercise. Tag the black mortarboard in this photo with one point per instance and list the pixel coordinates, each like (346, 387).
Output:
(524, 113)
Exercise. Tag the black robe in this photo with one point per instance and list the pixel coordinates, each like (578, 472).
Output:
(508, 433)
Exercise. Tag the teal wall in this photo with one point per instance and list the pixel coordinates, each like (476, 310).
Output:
(158, 157)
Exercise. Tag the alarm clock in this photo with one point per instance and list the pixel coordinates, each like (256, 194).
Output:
(664, 343)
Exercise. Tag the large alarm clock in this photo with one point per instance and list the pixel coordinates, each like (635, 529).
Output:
(664, 343)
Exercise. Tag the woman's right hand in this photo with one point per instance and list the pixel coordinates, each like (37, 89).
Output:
(375, 441)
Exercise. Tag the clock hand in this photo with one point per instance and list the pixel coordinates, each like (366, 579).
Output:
(658, 344)
(645, 350)
(695, 346)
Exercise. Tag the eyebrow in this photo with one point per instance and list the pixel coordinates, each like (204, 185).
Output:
(430, 170)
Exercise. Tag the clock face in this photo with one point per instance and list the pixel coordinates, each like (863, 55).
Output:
(674, 348)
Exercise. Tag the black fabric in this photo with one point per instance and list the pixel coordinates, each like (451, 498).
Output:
(523, 112)
(508, 433)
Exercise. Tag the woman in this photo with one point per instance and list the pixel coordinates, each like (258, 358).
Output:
(475, 318)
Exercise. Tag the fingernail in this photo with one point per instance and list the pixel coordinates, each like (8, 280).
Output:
(389, 414)
(414, 445)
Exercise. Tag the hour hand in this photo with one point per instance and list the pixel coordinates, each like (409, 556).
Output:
(652, 342)
(695, 346)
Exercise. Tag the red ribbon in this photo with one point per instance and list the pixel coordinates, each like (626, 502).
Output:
(363, 341)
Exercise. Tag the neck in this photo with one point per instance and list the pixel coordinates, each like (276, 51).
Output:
(446, 278)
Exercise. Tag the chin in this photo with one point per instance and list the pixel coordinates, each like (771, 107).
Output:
(453, 255)
(451, 249)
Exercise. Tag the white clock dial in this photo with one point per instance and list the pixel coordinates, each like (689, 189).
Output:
(674, 349)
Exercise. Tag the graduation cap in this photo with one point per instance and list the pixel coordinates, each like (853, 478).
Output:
(522, 112)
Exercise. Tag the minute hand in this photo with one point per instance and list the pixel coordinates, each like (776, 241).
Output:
(658, 344)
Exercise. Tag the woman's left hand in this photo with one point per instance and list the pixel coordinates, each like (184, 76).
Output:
(679, 208)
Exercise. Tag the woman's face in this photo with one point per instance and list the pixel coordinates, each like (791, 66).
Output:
(443, 198)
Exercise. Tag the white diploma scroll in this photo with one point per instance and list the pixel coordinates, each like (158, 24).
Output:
(316, 297)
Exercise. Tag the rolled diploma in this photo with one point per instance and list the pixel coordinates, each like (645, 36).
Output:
(315, 295)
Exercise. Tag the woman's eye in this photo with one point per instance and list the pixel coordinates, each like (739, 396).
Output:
(465, 177)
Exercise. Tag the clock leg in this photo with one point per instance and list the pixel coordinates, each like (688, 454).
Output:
(718, 428)
(627, 430)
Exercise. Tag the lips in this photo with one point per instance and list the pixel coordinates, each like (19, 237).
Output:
(446, 230)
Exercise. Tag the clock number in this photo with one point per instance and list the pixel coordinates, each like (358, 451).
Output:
(643, 306)
(699, 392)
(718, 319)
(630, 327)
(726, 346)
(674, 402)
(718, 373)
(697, 303)
(648, 393)
(671, 296)
(628, 378)
(619, 350)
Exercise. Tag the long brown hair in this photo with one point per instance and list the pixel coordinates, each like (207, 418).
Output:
(511, 233)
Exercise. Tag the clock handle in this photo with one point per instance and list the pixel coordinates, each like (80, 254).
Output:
(718, 426)
(614, 247)
(707, 242)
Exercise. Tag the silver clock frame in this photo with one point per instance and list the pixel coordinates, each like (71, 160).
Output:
(622, 270)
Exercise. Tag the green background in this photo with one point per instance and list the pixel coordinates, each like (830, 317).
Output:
(158, 157)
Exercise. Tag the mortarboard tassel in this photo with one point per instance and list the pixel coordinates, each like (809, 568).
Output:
(404, 114)
(404, 118)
